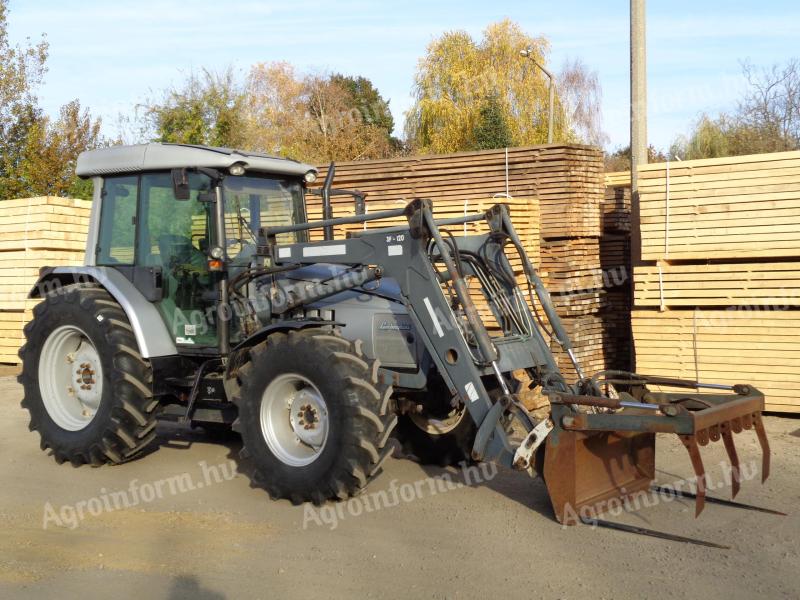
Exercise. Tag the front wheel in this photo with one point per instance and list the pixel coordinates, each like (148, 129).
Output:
(442, 440)
(314, 416)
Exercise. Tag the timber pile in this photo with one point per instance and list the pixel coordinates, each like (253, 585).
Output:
(34, 232)
(721, 208)
(617, 202)
(738, 345)
(775, 284)
(718, 296)
(566, 179)
(587, 334)
(615, 260)
(572, 265)
(598, 270)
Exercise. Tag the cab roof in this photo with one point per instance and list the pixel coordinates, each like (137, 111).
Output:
(158, 156)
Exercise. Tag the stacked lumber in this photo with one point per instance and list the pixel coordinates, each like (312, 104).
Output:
(721, 208)
(34, 232)
(587, 333)
(758, 347)
(571, 268)
(572, 265)
(774, 284)
(566, 179)
(616, 209)
(717, 297)
(615, 260)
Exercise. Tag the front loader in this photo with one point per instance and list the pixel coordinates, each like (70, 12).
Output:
(203, 300)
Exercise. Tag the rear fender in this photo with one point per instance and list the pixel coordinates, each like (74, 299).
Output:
(152, 334)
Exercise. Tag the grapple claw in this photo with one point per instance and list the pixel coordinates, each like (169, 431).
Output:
(758, 424)
(730, 448)
(593, 456)
(690, 443)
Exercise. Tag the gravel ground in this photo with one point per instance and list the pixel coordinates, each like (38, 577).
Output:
(417, 536)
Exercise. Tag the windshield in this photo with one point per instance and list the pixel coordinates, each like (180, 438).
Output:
(253, 202)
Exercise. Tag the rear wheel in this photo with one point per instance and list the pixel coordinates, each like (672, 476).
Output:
(314, 416)
(87, 388)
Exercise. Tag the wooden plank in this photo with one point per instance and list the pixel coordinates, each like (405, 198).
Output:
(736, 207)
(725, 345)
(748, 284)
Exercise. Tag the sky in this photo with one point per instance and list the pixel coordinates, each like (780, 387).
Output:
(113, 55)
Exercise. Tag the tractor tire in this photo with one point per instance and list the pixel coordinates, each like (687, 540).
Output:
(440, 435)
(314, 416)
(86, 386)
(431, 446)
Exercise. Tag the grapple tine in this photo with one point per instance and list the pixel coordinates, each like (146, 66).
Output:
(730, 448)
(690, 442)
(758, 424)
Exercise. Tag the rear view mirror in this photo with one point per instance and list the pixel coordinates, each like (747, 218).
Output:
(180, 184)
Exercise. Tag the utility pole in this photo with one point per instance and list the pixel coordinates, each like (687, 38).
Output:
(638, 117)
(638, 135)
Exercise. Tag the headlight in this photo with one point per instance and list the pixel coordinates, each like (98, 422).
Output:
(216, 252)
(310, 177)
(237, 169)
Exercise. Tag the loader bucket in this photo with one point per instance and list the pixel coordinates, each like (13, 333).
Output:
(583, 470)
(592, 457)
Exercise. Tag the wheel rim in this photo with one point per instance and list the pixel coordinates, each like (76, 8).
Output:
(294, 419)
(435, 426)
(70, 378)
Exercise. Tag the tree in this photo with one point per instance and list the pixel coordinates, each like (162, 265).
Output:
(710, 138)
(51, 150)
(365, 97)
(315, 118)
(620, 159)
(37, 154)
(458, 73)
(769, 114)
(207, 109)
(491, 129)
(21, 70)
(766, 119)
(582, 98)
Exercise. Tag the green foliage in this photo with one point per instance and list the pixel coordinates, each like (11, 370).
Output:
(620, 159)
(767, 118)
(37, 154)
(711, 138)
(366, 98)
(491, 131)
(207, 109)
(316, 118)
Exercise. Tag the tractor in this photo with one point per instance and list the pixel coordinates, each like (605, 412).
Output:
(203, 299)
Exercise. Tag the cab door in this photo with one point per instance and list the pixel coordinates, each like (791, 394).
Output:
(175, 235)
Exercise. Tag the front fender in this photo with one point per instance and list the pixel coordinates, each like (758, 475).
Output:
(283, 326)
(151, 332)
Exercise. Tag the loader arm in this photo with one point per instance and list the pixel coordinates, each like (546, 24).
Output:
(598, 444)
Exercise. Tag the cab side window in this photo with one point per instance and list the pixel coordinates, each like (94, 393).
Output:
(117, 221)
